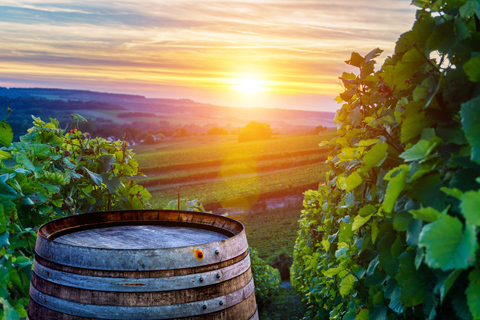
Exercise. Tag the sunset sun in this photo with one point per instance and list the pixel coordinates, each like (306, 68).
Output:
(249, 85)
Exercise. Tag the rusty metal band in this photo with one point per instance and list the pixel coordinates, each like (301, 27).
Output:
(145, 313)
(143, 284)
(141, 259)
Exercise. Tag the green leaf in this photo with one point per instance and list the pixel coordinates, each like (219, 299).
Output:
(444, 285)
(368, 210)
(55, 178)
(413, 283)
(421, 3)
(469, 8)
(326, 244)
(22, 159)
(375, 231)
(76, 116)
(333, 271)
(356, 60)
(402, 221)
(96, 178)
(395, 303)
(9, 313)
(454, 192)
(6, 134)
(375, 156)
(447, 245)
(426, 214)
(106, 162)
(4, 239)
(373, 54)
(411, 63)
(352, 181)
(7, 191)
(388, 262)
(397, 179)
(473, 293)
(378, 313)
(419, 151)
(470, 206)
(470, 114)
(415, 121)
(372, 265)
(360, 221)
(4, 275)
(347, 284)
(426, 90)
(362, 314)
(472, 69)
(112, 184)
(5, 155)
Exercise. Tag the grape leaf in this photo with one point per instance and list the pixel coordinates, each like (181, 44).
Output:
(419, 151)
(469, 9)
(388, 262)
(375, 156)
(414, 284)
(347, 284)
(428, 214)
(352, 181)
(402, 221)
(373, 54)
(472, 69)
(445, 283)
(454, 192)
(362, 314)
(473, 293)
(397, 178)
(360, 221)
(447, 245)
(96, 178)
(5, 155)
(9, 313)
(421, 3)
(356, 60)
(7, 191)
(415, 121)
(470, 206)
(369, 209)
(470, 113)
(333, 271)
(6, 134)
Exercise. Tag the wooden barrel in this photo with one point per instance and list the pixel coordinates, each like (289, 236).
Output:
(147, 264)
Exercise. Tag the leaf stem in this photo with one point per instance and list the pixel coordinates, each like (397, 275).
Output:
(426, 59)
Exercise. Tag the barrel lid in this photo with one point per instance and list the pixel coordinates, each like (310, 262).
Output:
(141, 240)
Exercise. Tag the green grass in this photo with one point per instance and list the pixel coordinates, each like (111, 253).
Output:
(204, 149)
(246, 188)
(285, 306)
(271, 232)
(221, 172)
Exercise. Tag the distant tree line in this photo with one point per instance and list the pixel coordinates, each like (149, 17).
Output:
(137, 114)
(32, 103)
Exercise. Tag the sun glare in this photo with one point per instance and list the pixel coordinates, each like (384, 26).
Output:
(249, 85)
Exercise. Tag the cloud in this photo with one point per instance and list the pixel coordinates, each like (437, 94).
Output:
(298, 46)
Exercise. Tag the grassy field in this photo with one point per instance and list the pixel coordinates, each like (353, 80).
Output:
(272, 232)
(223, 173)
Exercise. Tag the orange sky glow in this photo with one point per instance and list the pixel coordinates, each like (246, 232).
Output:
(265, 53)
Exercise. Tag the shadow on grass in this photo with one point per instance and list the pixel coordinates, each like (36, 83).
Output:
(285, 306)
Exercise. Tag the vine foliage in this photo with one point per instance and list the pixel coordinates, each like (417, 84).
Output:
(50, 173)
(393, 233)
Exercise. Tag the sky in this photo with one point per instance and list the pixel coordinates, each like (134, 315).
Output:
(265, 53)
